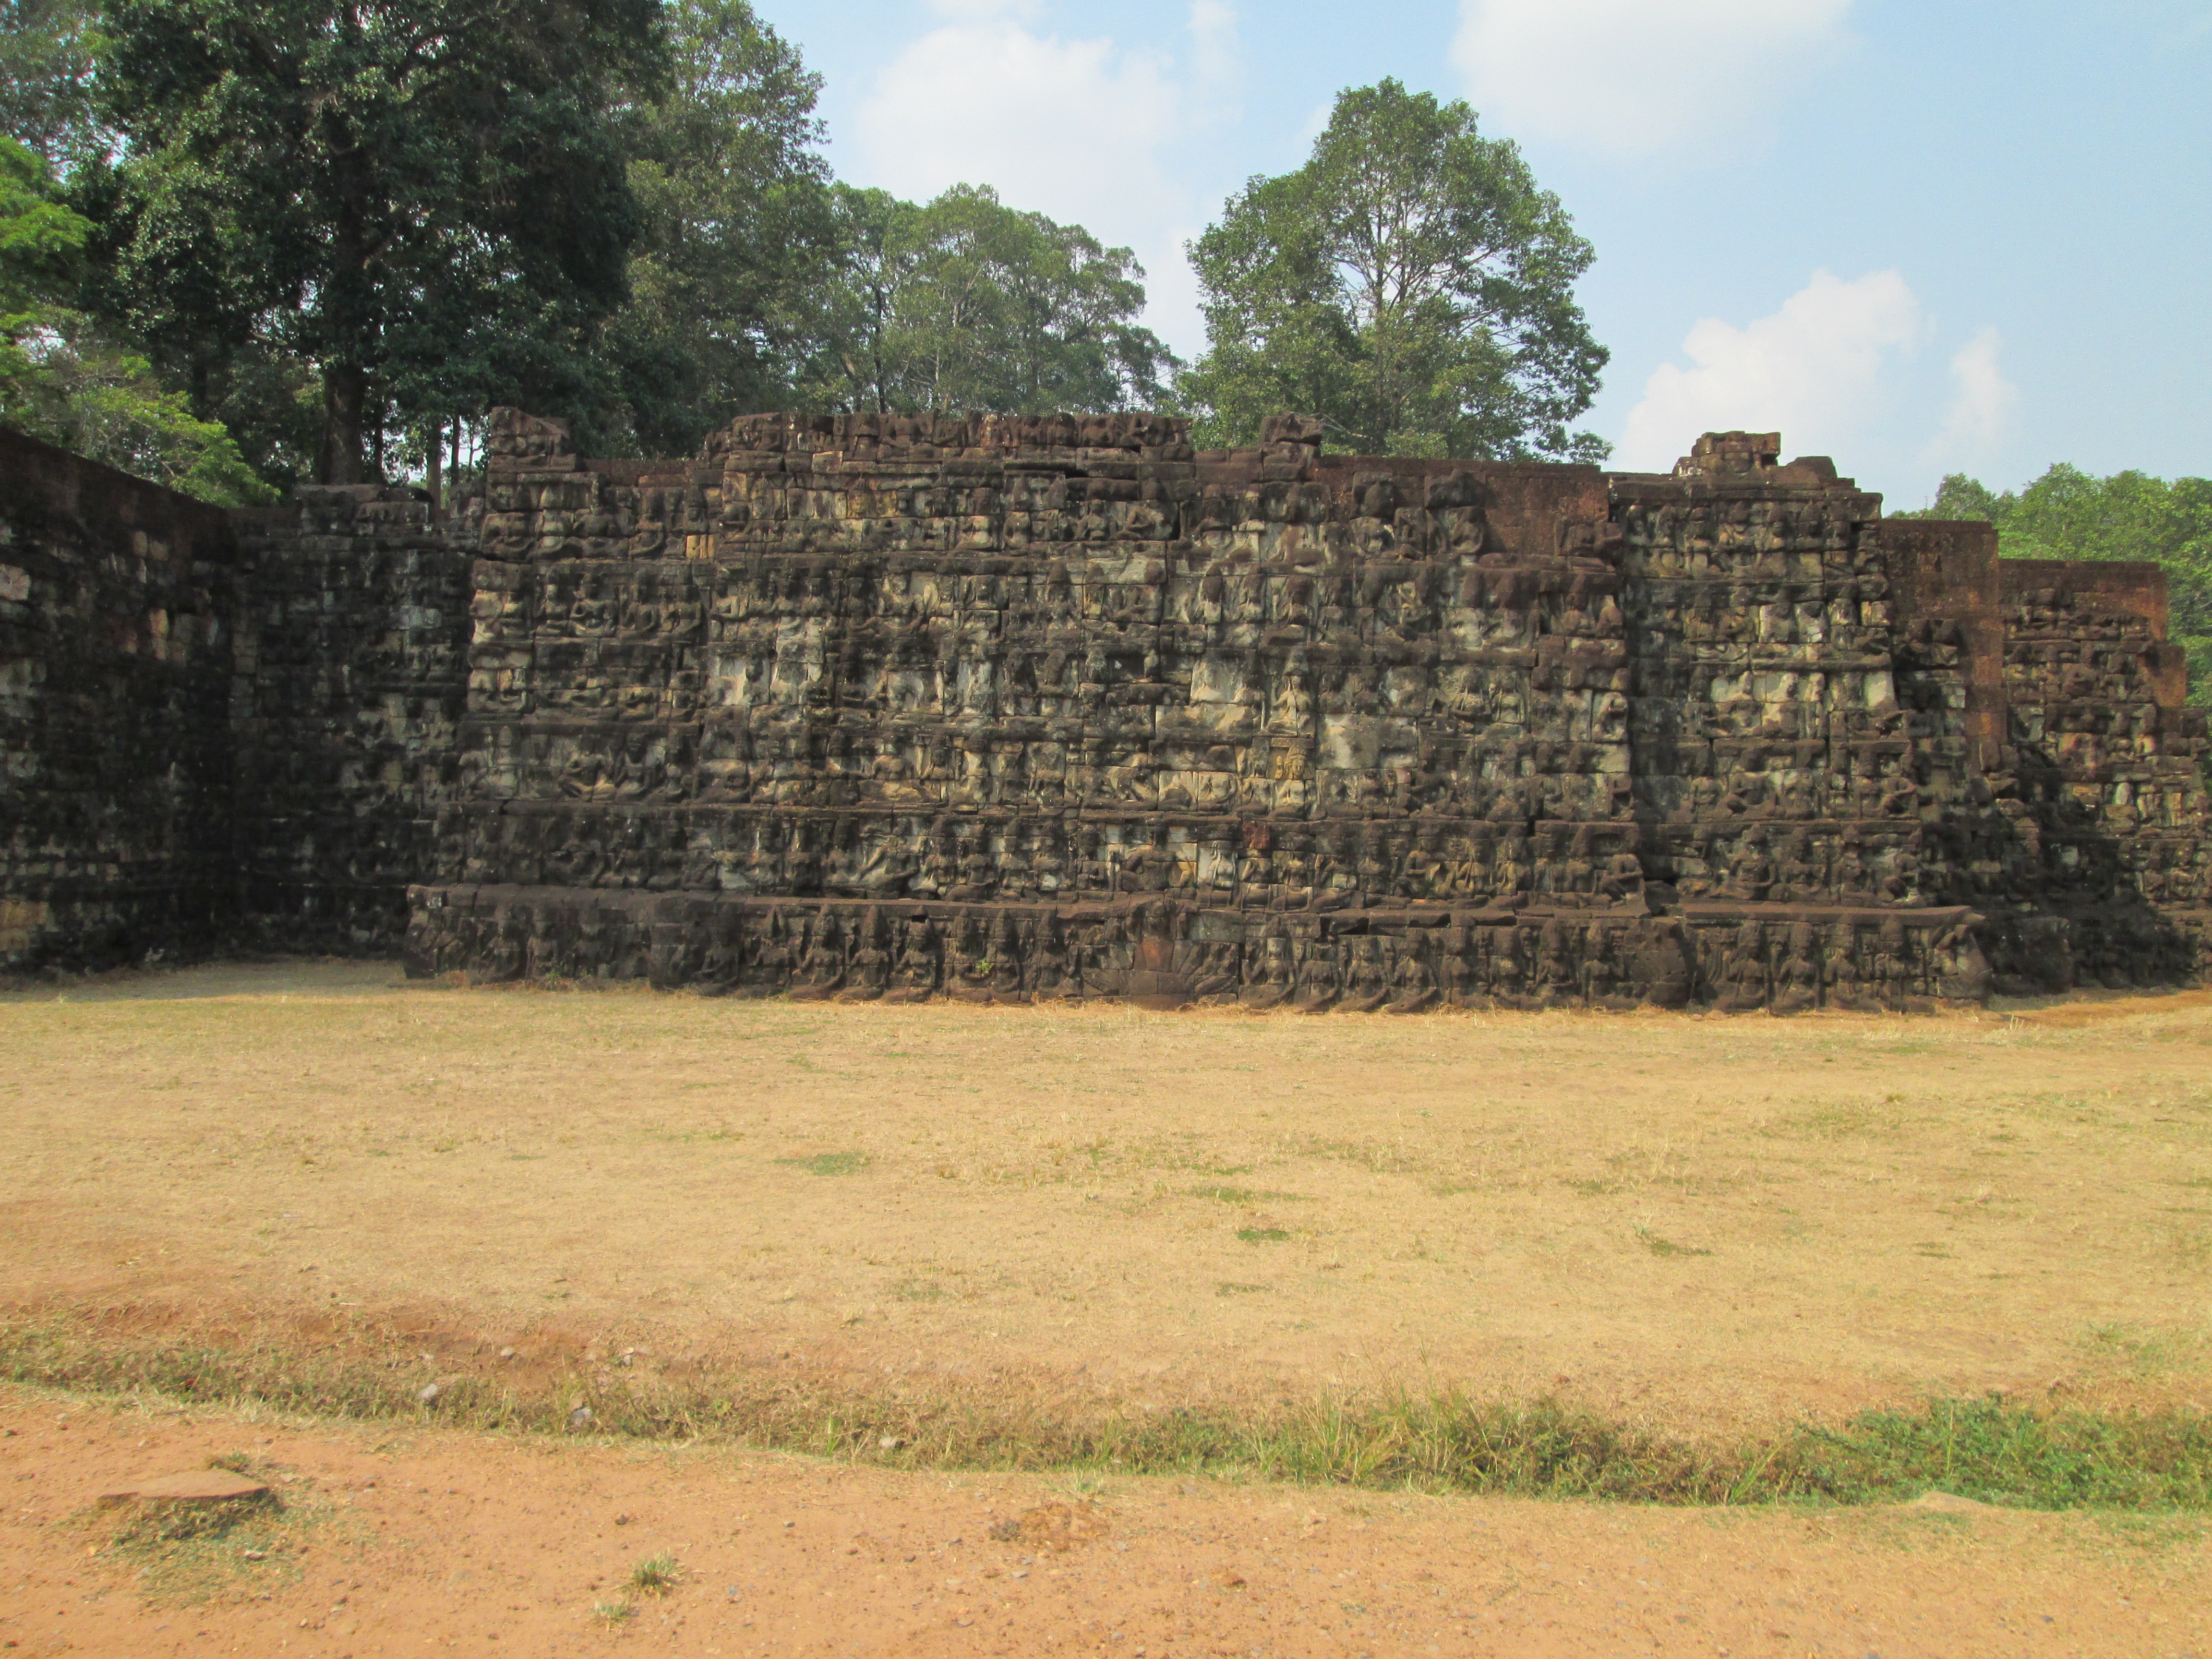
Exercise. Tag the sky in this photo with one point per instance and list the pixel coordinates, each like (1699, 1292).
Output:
(1921, 238)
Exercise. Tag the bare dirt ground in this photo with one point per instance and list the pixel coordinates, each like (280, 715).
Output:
(1695, 1224)
(403, 1540)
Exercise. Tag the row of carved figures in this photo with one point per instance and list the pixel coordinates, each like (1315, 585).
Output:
(1254, 865)
(999, 954)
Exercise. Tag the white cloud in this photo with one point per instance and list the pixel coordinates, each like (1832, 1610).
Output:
(1813, 371)
(1982, 400)
(977, 11)
(1633, 78)
(1081, 130)
(1217, 57)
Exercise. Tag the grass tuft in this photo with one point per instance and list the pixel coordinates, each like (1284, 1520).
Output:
(829, 1164)
(1991, 1449)
(657, 1574)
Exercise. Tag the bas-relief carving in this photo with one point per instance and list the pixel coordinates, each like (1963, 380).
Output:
(1001, 708)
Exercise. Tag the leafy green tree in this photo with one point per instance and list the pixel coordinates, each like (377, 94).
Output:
(1410, 284)
(61, 380)
(967, 303)
(425, 199)
(2069, 513)
(726, 278)
(46, 50)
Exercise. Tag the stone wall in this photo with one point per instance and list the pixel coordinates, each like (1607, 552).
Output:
(117, 603)
(1005, 708)
(217, 731)
(2105, 861)
(351, 682)
(1014, 708)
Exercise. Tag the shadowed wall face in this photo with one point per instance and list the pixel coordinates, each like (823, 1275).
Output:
(118, 600)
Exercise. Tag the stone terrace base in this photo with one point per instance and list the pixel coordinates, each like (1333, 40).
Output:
(1160, 952)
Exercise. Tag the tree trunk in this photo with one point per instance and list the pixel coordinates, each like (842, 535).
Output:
(433, 453)
(345, 399)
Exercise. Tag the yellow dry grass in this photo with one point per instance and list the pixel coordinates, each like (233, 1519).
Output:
(1698, 1220)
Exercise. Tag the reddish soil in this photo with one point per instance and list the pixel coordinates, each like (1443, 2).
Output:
(403, 1540)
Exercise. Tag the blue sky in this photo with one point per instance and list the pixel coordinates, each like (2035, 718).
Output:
(1921, 238)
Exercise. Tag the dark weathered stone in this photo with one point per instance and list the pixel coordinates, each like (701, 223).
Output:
(1025, 709)
(193, 1487)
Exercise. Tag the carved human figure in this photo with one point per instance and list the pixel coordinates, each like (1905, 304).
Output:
(1960, 970)
(1273, 978)
(822, 966)
(1846, 983)
(1558, 984)
(1751, 871)
(914, 975)
(1798, 980)
(869, 972)
(1317, 982)
(1053, 974)
(1895, 973)
(773, 958)
(1743, 970)
(1366, 977)
(1005, 960)
(1461, 969)
(1412, 987)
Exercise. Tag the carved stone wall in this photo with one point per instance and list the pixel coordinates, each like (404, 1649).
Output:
(346, 704)
(1019, 708)
(116, 599)
(1014, 708)
(217, 730)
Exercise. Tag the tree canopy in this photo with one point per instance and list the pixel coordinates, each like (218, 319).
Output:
(420, 198)
(736, 234)
(62, 380)
(967, 303)
(2069, 513)
(1410, 284)
(318, 238)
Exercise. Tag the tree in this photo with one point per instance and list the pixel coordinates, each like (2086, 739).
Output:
(424, 199)
(1410, 284)
(966, 303)
(2069, 513)
(45, 80)
(736, 239)
(61, 380)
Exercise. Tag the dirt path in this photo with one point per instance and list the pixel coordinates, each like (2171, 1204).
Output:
(399, 1540)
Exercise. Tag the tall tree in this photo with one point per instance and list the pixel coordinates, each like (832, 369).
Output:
(46, 50)
(967, 303)
(1410, 284)
(425, 199)
(61, 380)
(2069, 513)
(736, 239)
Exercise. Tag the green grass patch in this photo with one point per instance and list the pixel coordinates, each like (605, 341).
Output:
(657, 1574)
(194, 1554)
(1262, 1235)
(1991, 1449)
(829, 1164)
(1658, 1246)
(1248, 1195)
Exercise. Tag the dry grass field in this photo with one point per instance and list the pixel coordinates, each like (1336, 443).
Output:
(344, 1231)
(1693, 1222)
